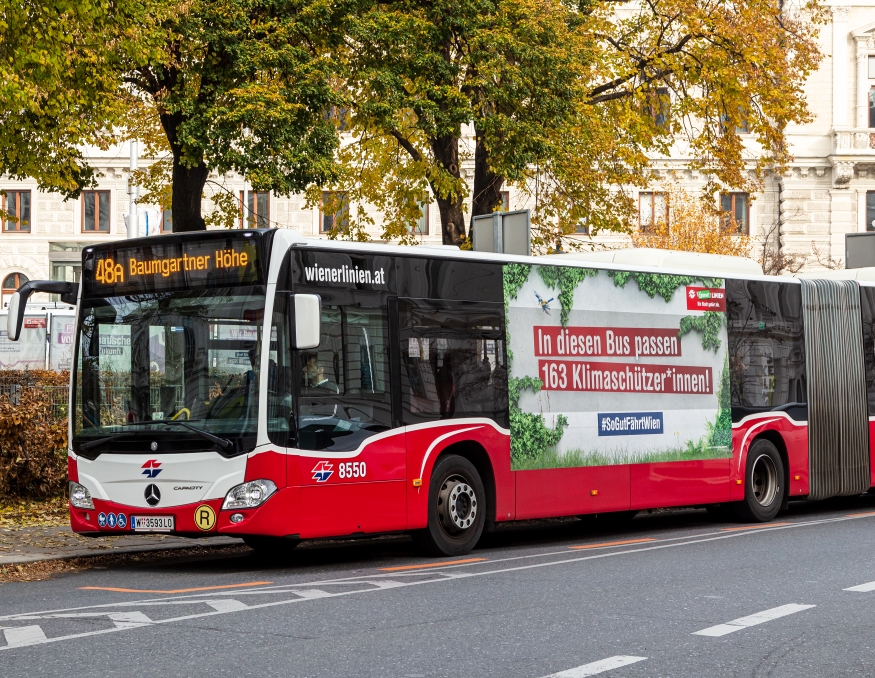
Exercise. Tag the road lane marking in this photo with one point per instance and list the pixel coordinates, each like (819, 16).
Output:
(862, 588)
(424, 566)
(437, 577)
(226, 605)
(752, 620)
(753, 527)
(24, 635)
(595, 668)
(192, 590)
(684, 540)
(861, 515)
(611, 543)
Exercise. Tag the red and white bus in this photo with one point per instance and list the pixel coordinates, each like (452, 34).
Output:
(262, 385)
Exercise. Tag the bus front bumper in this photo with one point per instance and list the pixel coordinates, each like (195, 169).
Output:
(200, 519)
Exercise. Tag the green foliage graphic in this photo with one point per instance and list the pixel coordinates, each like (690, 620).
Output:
(565, 279)
(720, 432)
(661, 284)
(529, 436)
(709, 325)
(515, 276)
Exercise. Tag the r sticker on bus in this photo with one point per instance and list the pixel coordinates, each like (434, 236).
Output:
(204, 517)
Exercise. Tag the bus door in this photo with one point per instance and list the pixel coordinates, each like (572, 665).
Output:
(352, 460)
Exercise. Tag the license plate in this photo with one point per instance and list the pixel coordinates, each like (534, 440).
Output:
(153, 523)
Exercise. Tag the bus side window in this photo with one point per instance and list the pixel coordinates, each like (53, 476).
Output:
(766, 346)
(453, 361)
(345, 381)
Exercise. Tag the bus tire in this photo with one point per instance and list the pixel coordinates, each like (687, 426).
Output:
(764, 484)
(271, 546)
(456, 508)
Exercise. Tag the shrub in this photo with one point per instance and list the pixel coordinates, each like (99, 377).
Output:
(33, 433)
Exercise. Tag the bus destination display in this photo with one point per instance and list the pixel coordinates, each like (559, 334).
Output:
(224, 262)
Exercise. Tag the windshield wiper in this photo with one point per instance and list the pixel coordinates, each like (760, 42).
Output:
(100, 441)
(224, 443)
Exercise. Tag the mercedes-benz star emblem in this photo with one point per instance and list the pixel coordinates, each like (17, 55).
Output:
(152, 494)
(154, 446)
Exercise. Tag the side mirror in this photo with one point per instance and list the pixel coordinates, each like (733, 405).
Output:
(18, 303)
(306, 320)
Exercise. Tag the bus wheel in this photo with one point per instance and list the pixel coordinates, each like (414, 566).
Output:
(271, 546)
(764, 484)
(456, 508)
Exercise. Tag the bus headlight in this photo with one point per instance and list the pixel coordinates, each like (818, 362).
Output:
(249, 495)
(80, 497)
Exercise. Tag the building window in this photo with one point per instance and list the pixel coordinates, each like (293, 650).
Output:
(872, 107)
(16, 204)
(870, 210)
(505, 201)
(11, 283)
(334, 212)
(257, 209)
(734, 207)
(95, 211)
(652, 210)
(420, 226)
(659, 107)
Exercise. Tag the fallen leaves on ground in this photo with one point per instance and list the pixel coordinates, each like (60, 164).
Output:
(34, 512)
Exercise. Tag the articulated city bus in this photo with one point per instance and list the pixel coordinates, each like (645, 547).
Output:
(262, 385)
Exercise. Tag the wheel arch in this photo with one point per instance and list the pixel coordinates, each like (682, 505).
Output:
(477, 455)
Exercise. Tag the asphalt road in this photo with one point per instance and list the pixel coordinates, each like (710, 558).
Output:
(677, 594)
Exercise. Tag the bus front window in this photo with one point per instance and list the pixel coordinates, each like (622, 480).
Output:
(188, 357)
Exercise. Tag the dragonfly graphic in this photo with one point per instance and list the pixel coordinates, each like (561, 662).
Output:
(545, 305)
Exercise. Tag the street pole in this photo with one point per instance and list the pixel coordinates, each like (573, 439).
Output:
(245, 205)
(134, 191)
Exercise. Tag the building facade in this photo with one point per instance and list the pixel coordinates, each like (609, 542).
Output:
(828, 191)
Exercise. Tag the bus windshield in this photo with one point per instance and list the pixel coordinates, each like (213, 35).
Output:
(190, 357)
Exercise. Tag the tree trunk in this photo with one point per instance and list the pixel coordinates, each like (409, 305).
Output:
(188, 189)
(446, 152)
(188, 182)
(487, 184)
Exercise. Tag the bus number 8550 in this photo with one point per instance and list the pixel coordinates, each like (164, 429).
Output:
(352, 469)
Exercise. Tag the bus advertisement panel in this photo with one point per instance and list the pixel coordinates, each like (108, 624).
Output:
(613, 367)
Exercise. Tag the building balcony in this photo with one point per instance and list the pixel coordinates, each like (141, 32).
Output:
(853, 141)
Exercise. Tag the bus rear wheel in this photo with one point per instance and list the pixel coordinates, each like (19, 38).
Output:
(456, 508)
(764, 484)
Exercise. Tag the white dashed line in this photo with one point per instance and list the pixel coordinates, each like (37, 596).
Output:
(595, 668)
(752, 620)
(862, 588)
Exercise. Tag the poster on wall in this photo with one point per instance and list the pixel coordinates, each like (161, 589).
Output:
(615, 367)
(29, 352)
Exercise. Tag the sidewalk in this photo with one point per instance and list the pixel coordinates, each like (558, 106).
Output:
(19, 545)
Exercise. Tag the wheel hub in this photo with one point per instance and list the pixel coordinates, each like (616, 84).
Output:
(764, 479)
(457, 505)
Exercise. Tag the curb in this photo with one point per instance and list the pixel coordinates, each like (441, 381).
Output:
(115, 550)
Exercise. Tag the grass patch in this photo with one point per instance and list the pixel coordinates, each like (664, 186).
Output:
(573, 458)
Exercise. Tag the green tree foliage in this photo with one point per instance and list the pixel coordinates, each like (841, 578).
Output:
(233, 85)
(565, 99)
(60, 65)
